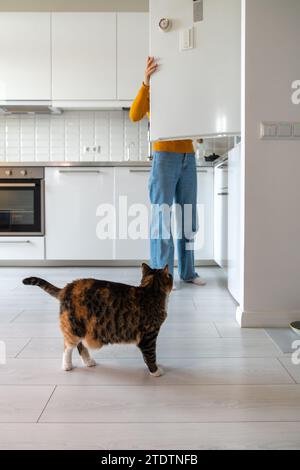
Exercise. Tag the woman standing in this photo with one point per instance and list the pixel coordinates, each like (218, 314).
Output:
(173, 178)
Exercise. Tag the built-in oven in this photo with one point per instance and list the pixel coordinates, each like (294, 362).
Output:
(21, 201)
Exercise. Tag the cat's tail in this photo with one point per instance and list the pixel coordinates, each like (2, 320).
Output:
(45, 285)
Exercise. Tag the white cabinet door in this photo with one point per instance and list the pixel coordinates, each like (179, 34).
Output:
(132, 52)
(72, 198)
(84, 56)
(221, 215)
(204, 242)
(25, 56)
(22, 248)
(234, 222)
(196, 92)
(133, 209)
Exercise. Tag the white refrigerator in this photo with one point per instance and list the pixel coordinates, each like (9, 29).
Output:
(197, 89)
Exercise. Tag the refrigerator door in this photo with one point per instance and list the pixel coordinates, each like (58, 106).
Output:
(196, 90)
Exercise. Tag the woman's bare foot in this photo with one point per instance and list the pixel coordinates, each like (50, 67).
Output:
(198, 281)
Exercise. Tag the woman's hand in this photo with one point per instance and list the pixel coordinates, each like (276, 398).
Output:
(150, 69)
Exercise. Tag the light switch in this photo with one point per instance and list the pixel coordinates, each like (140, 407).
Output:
(187, 39)
(280, 130)
(296, 129)
(269, 129)
(284, 129)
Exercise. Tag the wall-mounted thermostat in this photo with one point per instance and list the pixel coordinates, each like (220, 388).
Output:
(165, 24)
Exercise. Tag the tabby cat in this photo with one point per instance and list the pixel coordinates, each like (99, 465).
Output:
(95, 313)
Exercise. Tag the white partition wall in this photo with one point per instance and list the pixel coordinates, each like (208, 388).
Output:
(271, 168)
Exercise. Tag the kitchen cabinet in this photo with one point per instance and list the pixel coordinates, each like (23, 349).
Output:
(22, 248)
(25, 56)
(132, 52)
(77, 202)
(72, 58)
(84, 56)
(204, 239)
(132, 184)
(221, 215)
(234, 222)
(204, 242)
(133, 208)
(72, 197)
(196, 91)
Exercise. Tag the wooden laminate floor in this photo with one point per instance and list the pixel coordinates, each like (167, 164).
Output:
(223, 388)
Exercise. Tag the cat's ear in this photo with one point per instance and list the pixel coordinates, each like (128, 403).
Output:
(166, 269)
(146, 269)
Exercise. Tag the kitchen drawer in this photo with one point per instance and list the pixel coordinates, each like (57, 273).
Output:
(21, 248)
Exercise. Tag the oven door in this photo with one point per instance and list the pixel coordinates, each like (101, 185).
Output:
(21, 207)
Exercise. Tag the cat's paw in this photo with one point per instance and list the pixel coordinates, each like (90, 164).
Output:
(90, 363)
(67, 366)
(159, 372)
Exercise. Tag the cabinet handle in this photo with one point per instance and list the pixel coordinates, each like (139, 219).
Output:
(68, 172)
(202, 171)
(223, 194)
(15, 242)
(139, 171)
(17, 185)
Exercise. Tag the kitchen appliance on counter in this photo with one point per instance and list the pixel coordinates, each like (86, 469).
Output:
(21, 201)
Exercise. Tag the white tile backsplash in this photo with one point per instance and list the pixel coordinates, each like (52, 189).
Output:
(87, 135)
(2, 140)
(143, 139)
(102, 135)
(116, 138)
(42, 138)
(109, 135)
(27, 138)
(131, 139)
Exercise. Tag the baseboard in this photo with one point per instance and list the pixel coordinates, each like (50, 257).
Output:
(266, 319)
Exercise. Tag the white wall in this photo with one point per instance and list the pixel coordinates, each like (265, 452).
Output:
(64, 137)
(271, 276)
(74, 5)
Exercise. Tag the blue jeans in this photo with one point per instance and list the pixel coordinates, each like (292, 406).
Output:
(173, 178)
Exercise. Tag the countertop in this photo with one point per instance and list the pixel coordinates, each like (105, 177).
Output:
(76, 164)
(142, 164)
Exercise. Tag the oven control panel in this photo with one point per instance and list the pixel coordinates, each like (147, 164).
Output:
(21, 173)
